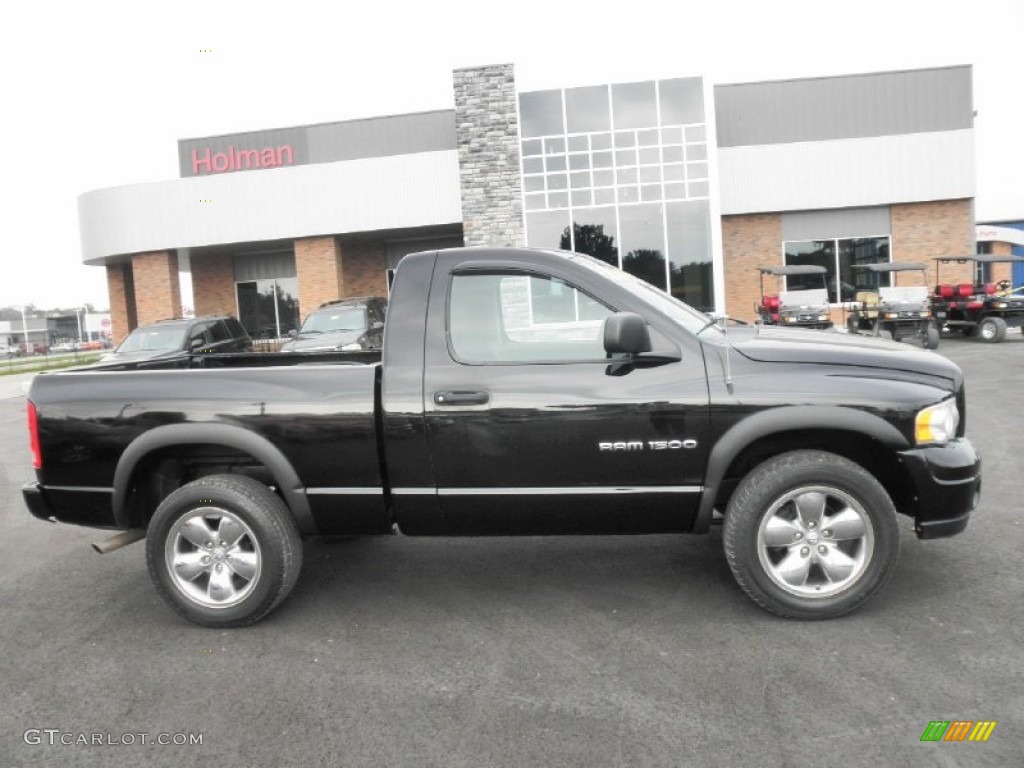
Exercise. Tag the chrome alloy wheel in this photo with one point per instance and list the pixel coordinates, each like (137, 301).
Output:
(815, 541)
(213, 557)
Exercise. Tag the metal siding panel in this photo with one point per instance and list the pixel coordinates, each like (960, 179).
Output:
(840, 222)
(848, 173)
(382, 136)
(880, 104)
(260, 266)
(365, 195)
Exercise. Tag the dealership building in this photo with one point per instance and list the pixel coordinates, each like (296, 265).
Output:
(690, 185)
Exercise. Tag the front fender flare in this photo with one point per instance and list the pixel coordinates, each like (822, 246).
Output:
(786, 419)
(239, 438)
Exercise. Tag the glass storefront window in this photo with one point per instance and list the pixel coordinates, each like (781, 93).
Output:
(540, 113)
(838, 257)
(634, 105)
(689, 245)
(586, 109)
(682, 101)
(626, 180)
(269, 308)
(594, 233)
(643, 243)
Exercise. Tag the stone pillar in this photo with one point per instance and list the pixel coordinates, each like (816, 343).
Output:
(213, 285)
(157, 290)
(121, 293)
(319, 271)
(487, 134)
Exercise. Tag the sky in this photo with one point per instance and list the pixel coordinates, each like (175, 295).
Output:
(97, 94)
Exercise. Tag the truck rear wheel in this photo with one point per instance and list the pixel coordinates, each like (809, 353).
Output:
(810, 535)
(992, 330)
(223, 551)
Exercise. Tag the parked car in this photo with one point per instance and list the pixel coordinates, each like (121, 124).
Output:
(8, 351)
(64, 346)
(344, 325)
(180, 337)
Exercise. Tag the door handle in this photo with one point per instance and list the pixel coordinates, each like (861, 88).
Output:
(459, 397)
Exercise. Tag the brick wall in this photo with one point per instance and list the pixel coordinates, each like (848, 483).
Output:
(157, 290)
(319, 270)
(748, 242)
(364, 265)
(487, 134)
(923, 231)
(213, 285)
(122, 301)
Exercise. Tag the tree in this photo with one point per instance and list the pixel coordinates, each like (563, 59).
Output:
(647, 264)
(591, 240)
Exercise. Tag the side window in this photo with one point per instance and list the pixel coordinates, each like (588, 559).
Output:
(200, 331)
(220, 331)
(235, 329)
(523, 319)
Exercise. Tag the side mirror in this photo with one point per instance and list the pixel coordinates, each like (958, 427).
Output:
(626, 332)
(194, 344)
(293, 333)
(376, 326)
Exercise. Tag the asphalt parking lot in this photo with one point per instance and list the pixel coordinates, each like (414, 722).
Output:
(522, 652)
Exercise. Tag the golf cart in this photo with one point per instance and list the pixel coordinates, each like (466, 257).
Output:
(984, 310)
(801, 308)
(892, 311)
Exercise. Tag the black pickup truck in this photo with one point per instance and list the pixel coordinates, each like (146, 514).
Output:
(519, 392)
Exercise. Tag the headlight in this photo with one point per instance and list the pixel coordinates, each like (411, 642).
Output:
(790, 319)
(937, 424)
(353, 347)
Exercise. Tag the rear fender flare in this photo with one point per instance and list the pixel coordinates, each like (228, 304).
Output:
(785, 419)
(238, 438)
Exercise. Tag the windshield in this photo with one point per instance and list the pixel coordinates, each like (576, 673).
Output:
(340, 319)
(160, 339)
(688, 317)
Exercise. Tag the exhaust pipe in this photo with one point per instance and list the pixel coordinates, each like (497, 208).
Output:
(122, 539)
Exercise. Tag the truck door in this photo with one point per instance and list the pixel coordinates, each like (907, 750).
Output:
(532, 430)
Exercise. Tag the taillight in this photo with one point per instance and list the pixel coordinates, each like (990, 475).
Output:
(33, 436)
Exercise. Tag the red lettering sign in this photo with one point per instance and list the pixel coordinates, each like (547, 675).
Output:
(207, 161)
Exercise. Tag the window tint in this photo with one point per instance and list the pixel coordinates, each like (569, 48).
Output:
(522, 319)
(200, 331)
(220, 331)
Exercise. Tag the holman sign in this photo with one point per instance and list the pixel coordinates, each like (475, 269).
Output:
(207, 161)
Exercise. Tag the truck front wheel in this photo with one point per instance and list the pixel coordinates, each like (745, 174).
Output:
(810, 535)
(223, 551)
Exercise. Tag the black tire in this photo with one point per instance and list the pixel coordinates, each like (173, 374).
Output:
(757, 516)
(931, 338)
(992, 330)
(243, 581)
